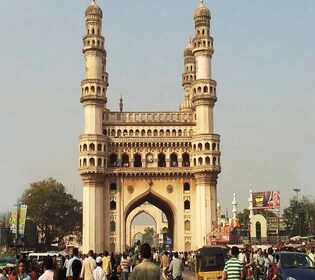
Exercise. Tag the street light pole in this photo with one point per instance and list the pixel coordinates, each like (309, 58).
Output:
(17, 228)
(298, 208)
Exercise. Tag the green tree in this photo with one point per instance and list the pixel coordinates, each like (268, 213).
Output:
(55, 213)
(299, 217)
(148, 236)
(243, 217)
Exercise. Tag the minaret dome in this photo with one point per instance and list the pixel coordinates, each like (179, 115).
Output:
(93, 10)
(202, 11)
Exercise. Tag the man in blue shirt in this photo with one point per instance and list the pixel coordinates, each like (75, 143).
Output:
(176, 266)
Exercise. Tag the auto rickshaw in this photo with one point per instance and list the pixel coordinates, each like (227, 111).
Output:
(210, 261)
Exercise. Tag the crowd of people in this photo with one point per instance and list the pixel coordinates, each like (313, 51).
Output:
(135, 265)
(260, 264)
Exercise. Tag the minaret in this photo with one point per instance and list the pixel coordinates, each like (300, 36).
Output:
(92, 142)
(205, 143)
(204, 88)
(188, 77)
(250, 201)
(234, 208)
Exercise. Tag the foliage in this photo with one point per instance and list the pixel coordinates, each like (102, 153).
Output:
(243, 217)
(55, 213)
(299, 217)
(148, 236)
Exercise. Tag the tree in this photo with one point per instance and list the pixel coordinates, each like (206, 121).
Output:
(55, 213)
(147, 237)
(299, 217)
(243, 217)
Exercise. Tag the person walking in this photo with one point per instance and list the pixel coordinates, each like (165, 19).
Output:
(21, 274)
(146, 270)
(124, 264)
(165, 263)
(233, 268)
(88, 265)
(98, 272)
(107, 265)
(75, 256)
(48, 269)
(176, 267)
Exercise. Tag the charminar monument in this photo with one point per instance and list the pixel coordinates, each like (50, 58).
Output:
(168, 159)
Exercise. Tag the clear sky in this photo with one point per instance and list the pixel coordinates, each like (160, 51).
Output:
(264, 63)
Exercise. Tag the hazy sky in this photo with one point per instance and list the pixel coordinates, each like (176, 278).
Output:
(264, 63)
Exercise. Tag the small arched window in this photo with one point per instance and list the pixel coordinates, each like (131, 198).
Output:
(186, 205)
(99, 162)
(137, 160)
(187, 225)
(161, 160)
(174, 160)
(186, 161)
(214, 146)
(186, 187)
(200, 161)
(113, 187)
(112, 226)
(112, 205)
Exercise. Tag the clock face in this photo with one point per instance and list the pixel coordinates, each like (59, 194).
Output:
(149, 158)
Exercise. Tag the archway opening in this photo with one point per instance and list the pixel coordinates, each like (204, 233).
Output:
(167, 214)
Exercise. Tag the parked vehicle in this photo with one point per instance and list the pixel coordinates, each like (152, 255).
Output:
(294, 265)
(210, 261)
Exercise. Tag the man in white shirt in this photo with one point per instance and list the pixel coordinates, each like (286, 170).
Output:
(98, 272)
(48, 269)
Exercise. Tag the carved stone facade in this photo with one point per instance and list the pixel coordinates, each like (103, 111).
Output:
(168, 159)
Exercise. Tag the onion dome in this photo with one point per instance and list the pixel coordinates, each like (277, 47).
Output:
(202, 11)
(188, 49)
(93, 10)
(186, 104)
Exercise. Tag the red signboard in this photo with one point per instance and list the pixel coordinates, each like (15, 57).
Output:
(266, 200)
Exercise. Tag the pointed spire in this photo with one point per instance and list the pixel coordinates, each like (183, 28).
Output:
(121, 104)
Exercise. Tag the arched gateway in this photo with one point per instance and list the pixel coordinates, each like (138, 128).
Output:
(168, 159)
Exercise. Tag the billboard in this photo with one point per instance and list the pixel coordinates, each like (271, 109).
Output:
(21, 212)
(266, 200)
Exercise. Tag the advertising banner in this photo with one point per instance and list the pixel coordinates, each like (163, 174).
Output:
(266, 200)
(21, 213)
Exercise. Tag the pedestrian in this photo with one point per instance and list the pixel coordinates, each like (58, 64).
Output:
(48, 269)
(76, 270)
(107, 265)
(124, 264)
(176, 267)
(21, 274)
(98, 272)
(75, 256)
(233, 268)
(59, 274)
(4, 274)
(165, 263)
(311, 255)
(146, 270)
(88, 265)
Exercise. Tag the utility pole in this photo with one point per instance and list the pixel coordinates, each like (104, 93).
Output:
(298, 210)
(17, 227)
